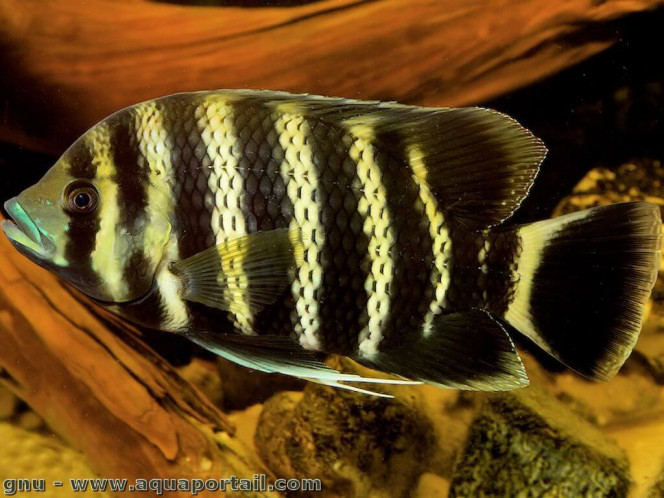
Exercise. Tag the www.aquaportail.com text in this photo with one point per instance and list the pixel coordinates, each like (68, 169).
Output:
(258, 482)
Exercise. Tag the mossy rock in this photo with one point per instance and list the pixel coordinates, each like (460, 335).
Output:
(357, 445)
(527, 443)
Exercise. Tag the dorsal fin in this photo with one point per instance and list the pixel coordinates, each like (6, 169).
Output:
(478, 163)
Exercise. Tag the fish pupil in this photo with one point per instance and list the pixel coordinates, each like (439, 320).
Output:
(82, 200)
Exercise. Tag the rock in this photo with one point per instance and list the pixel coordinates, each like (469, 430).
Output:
(244, 387)
(643, 441)
(432, 486)
(650, 352)
(526, 439)
(629, 397)
(233, 387)
(426, 437)
(245, 422)
(30, 421)
(357, 445)
(24, 454)
(204, 375)
(8, 403)
(639, 180)
(657, 490)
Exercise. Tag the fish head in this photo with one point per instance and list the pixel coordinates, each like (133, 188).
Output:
(87, 220)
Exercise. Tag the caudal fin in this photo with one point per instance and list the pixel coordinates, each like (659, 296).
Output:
(584, 280)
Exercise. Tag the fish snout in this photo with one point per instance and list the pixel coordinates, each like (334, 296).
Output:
(23, 232)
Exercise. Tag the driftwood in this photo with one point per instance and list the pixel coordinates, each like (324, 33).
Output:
(100, 387)
(68, 64)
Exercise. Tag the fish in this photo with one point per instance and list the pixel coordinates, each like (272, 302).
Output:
(274, 229)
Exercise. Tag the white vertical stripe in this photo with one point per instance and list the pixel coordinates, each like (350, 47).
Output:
(175, 313)
(534, 239)
(300, 176)
(152, 142)
(111, 246)
(215, 121)
(442, 244)
(377, 227)
(481, 260)
(152, 136)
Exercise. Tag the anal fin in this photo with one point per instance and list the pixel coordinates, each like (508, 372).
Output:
(468, 350)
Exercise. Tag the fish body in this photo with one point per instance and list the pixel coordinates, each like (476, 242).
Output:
(267, 227)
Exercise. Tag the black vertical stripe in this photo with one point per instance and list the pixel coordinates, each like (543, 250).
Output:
(131, 178)
(411, 290)
(259, 162)
(79, 157)
(192, 167)
(464, 292)
(265, 205)
(488, 284)
(131, 169)
(501, 263)
(343, 304)
(81, 235)
(83, 228)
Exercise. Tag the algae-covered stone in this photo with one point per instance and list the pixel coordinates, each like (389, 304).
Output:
(640, 180)
(27, 455)
(527, 443)
(357, 445)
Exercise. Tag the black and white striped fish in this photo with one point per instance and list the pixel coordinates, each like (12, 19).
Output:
(271, 227)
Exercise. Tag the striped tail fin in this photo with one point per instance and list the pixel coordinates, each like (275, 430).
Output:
(584, 280)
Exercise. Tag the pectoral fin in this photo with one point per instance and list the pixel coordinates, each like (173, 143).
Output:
(244, 274)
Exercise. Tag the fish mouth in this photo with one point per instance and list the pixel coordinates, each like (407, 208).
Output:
(23, 233)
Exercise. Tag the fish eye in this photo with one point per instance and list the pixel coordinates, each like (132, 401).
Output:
(81, 198)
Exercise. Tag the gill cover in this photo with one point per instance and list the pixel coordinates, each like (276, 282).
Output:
(109, 248)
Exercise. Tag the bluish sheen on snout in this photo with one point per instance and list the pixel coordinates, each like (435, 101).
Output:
(24, 233)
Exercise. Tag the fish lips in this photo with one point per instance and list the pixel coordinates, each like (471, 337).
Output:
(23, 233)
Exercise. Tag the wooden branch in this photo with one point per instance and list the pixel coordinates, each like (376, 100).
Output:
(99, 386)
(69, 64)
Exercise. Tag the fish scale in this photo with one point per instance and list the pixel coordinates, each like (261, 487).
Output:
(353, 310)
(343, 255)
(342, 317)
(413, 251)
(266, 207)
